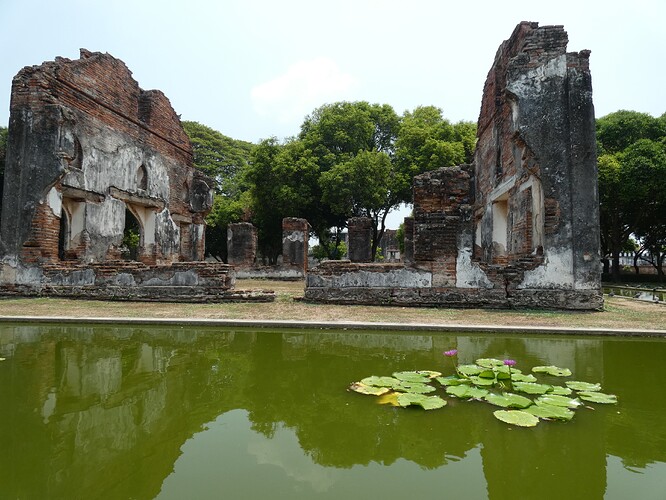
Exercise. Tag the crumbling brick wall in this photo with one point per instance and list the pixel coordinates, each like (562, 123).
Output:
(241, 244)
(359, 239)
(442, 206)
(295, 236)
(83, 132)
(520, 226)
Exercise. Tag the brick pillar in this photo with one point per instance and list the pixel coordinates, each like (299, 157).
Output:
(408, 255)
(241, 244)
(295, 235)
(360, 239)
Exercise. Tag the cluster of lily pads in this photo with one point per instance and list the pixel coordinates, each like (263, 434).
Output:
(494, 381)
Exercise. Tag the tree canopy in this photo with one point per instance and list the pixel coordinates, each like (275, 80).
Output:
(632, 185)
(225, 160)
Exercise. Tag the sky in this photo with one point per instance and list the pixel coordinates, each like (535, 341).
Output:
(253, 69)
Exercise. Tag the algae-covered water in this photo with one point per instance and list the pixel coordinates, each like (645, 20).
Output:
(171, 413)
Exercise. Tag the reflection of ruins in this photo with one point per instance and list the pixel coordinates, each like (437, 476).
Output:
(517, 228)
(89, 409)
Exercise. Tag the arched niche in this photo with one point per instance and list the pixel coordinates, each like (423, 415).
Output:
(142, 178)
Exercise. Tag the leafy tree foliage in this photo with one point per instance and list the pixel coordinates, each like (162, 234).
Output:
(428, 141)
(283, 180)
(632, 185)
(225, 160)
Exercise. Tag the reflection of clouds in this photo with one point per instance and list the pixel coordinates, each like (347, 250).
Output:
(284, 451)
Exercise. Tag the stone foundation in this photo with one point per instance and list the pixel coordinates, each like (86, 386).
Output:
(123, 280)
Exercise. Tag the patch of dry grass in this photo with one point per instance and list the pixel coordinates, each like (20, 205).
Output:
(619, 313)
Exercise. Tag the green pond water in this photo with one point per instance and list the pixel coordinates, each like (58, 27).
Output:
(195, 413)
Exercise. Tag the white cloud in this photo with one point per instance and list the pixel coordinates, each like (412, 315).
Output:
(302, 88)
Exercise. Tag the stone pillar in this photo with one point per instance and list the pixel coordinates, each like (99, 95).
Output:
(360, 239)
(295, 236)
(408, 255)
(241, 244)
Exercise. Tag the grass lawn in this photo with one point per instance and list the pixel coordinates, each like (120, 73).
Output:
(618, 313)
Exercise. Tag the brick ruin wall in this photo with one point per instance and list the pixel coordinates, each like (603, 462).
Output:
(520, 226)
(87, 150)
(242, 251)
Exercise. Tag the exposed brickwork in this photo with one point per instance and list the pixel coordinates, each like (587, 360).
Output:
(87, 145)
(295, 236)
(241, 244)
(360, 239)
(519, 227)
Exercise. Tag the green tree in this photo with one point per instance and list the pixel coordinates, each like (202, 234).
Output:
(428, 141)
(644, 173)
(617, 131)
(632, 184)
(225, 160)
(353, 146)
(283, 181)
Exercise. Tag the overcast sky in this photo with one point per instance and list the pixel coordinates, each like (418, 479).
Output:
(255, 68)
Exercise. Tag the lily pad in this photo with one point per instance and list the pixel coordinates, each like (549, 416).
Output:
(429, 373)
(489, 362)
(482, 381)
(425, 402)
(390, 398)
(583, 386)
(556, 371)
(554, 399)
(414, 387)
(452, 380)
(561, 391)
(412, 377)
(598, 397)
(543, 410)
(469, 369)
(532, 388)
(516, 417)
(519, 377)
(381, 381)
(371, 390)
(508, 400)
(466, 391)
(487, 374)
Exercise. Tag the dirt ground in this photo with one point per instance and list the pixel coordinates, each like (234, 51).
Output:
(618, 313)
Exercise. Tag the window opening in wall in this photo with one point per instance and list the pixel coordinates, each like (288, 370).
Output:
(131, 237)
(500, 226)
(63, 236)
(142, 178)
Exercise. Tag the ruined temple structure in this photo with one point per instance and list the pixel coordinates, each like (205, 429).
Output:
(101, 198)
(520, 226)
(242, 242)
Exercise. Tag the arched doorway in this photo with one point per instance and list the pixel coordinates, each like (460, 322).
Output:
(131, 237)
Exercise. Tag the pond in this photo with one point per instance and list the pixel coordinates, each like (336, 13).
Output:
(173, 412)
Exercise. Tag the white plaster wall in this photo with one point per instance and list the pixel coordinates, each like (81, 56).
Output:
(468, 273)
(399, 278)
(107, 218)
(555, 272)
(531, 81)
(54, 201)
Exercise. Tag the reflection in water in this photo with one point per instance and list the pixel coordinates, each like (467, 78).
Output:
(171, 413)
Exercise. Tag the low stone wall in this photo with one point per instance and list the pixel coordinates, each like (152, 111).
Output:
(278, 273)
(344, 282)
(129, 280)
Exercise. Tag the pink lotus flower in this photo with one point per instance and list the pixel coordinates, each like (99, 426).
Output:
(509, 362)
(450, 353)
